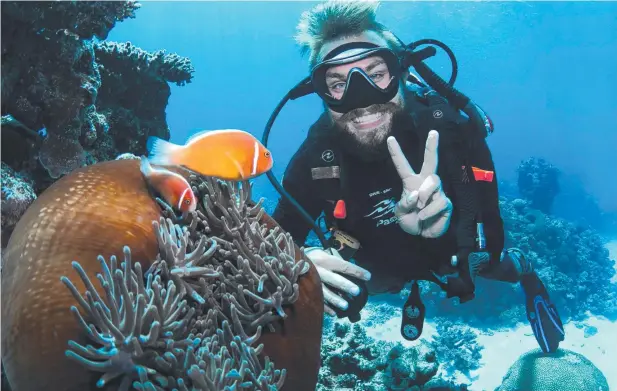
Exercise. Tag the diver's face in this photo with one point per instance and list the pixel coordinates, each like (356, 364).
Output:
(372, 125)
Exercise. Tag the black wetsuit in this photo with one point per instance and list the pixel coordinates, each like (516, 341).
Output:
(372, 189)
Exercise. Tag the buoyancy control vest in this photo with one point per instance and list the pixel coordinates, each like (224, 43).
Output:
(429, 111)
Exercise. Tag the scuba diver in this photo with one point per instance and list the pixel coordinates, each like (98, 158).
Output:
(399, 172)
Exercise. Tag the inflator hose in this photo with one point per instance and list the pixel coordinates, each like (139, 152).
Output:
(446, 89)
(443, 88)
(270, 175)
(355, 303)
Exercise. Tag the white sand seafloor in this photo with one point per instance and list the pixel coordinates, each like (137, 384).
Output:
(502, 349)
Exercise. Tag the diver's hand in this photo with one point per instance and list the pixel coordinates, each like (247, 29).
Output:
(327, 263)
(424, 208)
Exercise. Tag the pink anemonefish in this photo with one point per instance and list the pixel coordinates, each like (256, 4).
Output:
(228, 154)
(174, 189)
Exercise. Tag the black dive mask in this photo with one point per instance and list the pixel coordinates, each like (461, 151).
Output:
(361, 89)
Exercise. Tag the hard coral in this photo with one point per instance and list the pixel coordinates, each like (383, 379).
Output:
(571, 260)
(457, 347)
(134, 94)
(538, 182)
(353, 361)
(94, 100)
(562, 370)
(349, 358)
(95, 18)
(124, 57)
(409, 367)
(17, 195)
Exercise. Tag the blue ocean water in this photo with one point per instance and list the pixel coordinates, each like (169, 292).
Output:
(545, 72)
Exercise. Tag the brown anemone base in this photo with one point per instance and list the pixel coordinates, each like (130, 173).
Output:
(94, 211)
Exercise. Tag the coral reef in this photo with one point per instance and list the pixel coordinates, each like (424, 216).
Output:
(538, 182)
(351, 360)
(587, 211)
(456, 347)
(17, 195)
(73, 101)
(349, 357)
(228, 254)
(84, 20)
(563, 370)
(406, 368)
(564, 255)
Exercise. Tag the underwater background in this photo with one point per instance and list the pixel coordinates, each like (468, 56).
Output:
(545, 72)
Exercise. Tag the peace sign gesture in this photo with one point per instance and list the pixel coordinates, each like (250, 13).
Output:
(424, 208)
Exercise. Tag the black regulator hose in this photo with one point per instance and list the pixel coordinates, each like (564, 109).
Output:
(412, 46)
(443, 88)
(291, 95)
(355, 303)
(446, 89)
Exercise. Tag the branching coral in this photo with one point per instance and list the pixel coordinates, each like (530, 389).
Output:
(192, 319)
(94, 100)
(128, 74)
(159, 65)
(457, 347)
(352, 360)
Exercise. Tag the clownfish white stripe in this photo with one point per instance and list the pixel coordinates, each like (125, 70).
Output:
(236, 164)
(182, 197)
(255, 158)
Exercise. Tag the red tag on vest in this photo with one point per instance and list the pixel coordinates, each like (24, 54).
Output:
(340, 211)
(482, 175)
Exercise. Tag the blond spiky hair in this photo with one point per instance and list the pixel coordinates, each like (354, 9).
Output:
(335, 19)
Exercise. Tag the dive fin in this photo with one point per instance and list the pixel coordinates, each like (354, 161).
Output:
(545, 322)
(412, 320)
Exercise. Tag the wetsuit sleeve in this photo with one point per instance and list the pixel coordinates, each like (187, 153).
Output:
(298, 183)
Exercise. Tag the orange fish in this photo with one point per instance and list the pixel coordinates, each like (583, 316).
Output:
(175, 190)
(227, 154)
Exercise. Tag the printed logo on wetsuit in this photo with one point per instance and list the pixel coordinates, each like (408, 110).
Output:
(383, 211)
(465, 177)
(437, 114)
(327, 155)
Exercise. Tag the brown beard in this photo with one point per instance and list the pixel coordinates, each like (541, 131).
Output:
(374, 146)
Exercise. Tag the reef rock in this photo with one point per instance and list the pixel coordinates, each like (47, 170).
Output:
(17, 195)
(538, 182)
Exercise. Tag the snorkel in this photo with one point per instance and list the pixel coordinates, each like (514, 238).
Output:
(361, 92)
